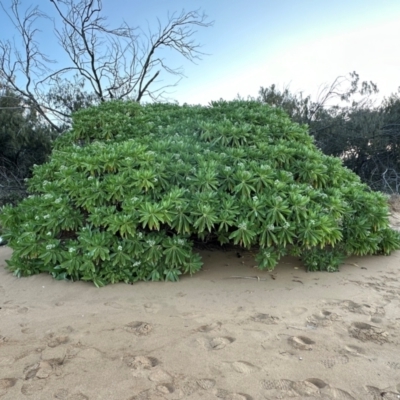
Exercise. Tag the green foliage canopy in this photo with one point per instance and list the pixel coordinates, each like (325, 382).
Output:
(130, 187)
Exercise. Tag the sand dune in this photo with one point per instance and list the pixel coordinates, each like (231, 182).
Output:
(230, 332)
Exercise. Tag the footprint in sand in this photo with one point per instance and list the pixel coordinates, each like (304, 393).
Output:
(206, 384)
(209, 327)
(312, 387)
(330, 362)
(296, 311)
(190, 315)
(5, 384)
(383, 394)
(30, 371)
(322, 319)
(354, 350)
(152, 308)
(148, 394)
(57, 341)
(160, 375)
(366, 332)
(180, 385)
(394, 365)
(29, 389)
(364, 309)
(244, 367)
(139, 328)
(78, 396)
(284, 388)
(41, 370)
(140, 362)
(113, 304)
(11, 309)
(376, 320)
(185, 385)
(165, 388)
(265, 319)
(7, 361)
(301, 342)
(63, 394)
(225, 395)
(219, 343)
(335, 393)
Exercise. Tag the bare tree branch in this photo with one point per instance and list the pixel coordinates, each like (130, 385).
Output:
(108, 63)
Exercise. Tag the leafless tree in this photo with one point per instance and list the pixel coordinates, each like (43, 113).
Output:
(105, 63)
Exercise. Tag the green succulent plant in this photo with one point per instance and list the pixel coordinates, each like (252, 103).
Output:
(130, 187)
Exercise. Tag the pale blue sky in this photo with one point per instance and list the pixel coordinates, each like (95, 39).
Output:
(253, 43)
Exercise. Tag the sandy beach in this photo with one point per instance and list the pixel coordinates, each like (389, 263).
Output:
(229, 332)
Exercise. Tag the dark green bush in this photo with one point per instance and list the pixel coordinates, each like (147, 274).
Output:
(130, 187)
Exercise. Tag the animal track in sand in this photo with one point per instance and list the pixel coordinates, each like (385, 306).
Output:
(332, 361)
(366, 332)
(219, 343)
(140, 362)
(265, 319)
(139, 328)
(301, 342)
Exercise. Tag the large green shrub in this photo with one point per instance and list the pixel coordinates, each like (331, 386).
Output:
(130, 187)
